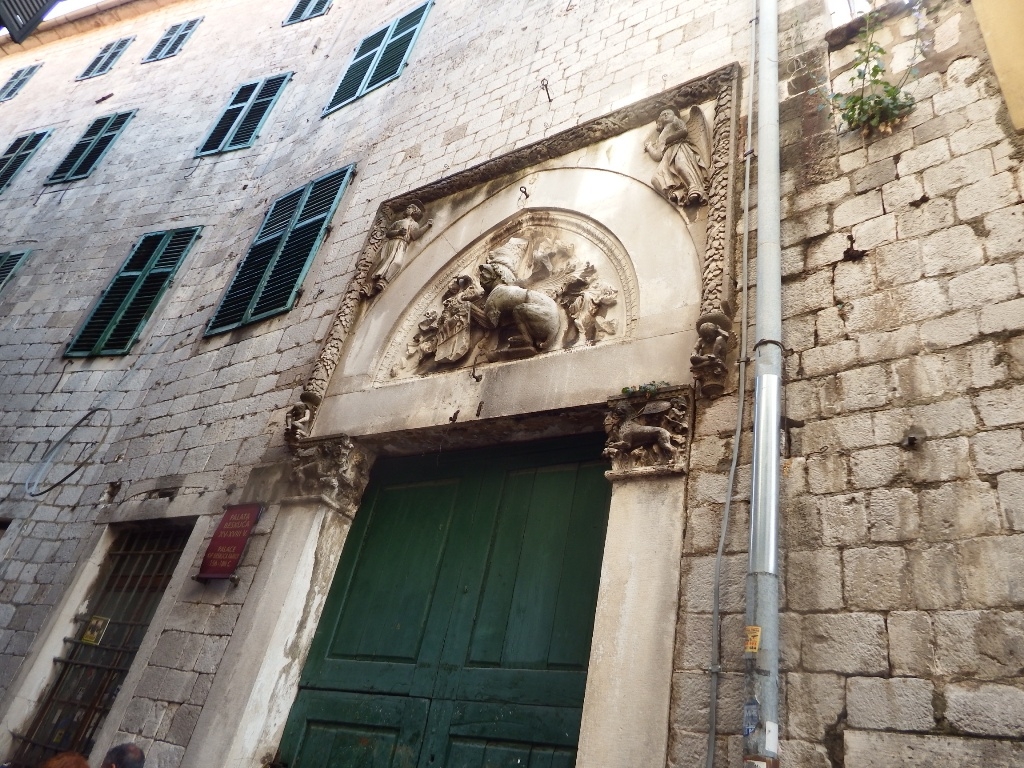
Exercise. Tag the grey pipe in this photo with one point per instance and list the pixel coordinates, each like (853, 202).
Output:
(761, 740)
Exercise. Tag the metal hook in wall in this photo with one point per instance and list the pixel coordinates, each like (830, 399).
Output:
(544, 85)
(525, 193)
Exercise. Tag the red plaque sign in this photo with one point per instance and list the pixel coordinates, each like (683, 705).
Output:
(229, 540)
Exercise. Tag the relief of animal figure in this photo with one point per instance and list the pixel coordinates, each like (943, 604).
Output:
(535, 313)
(626, 434)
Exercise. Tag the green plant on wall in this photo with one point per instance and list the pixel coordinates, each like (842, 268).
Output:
(874, 103)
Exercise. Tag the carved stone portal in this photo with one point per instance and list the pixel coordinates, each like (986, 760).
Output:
(544, 281)
(649, 432)
(336, 472)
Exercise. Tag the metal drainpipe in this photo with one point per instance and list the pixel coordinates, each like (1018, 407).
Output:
(761, 712)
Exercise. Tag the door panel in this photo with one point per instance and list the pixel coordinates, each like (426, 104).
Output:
(344, 730)
(467, 586)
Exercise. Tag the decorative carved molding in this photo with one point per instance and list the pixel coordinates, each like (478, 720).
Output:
(720, 85)
(335, 472)
(649, 433)
(475, 310)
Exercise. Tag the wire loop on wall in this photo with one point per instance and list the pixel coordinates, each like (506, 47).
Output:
(44, 464)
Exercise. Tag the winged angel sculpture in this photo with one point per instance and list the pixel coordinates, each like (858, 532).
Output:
(682, 150)
(528, 298)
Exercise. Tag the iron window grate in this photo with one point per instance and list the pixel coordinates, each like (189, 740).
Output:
(89, 675)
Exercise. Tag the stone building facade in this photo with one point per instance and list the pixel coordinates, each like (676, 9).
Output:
(529, 137)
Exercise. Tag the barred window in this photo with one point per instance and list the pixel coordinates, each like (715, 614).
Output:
(96, 659)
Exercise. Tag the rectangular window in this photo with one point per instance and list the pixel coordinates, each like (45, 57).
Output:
(268, 279)
(106, 58)
(172, 41)
(96, 659)
(16, 155)
(90, 149)
(123, 309)
(307, 9)
(379, 58)
(9, 263)
(240, 122)
(17, 82)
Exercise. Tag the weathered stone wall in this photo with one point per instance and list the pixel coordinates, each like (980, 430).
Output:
(902, 590)
(191, 417)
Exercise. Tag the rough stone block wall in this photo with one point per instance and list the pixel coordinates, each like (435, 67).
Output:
(191, 417)
(902, 588)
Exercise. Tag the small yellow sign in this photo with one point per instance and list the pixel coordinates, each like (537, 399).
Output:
(94, 630)
(753, 644)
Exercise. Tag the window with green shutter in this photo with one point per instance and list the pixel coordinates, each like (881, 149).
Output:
(268, 279)
(17, 82)
(240, 122)
(379, 58)
(21, 17)
(172, 41)
(16, 155)
(106, 58)
(90, 149)
(123, 309)
(9, 263)
(307, 9)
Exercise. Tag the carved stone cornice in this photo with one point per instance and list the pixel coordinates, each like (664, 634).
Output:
(720, 85)
(332, 471)
(649, 432)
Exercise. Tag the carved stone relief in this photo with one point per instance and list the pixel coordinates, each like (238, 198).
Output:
(682, 149)
(717, 289)
(544, 281)
(403, 231)
(335, 471)
(649, 433)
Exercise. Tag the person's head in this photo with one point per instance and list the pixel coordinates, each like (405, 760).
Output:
(124, 756)
(66, 760)
(666, 117)
(414, 211)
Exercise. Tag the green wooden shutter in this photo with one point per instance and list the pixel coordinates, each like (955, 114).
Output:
(21, 17)
(9, 262)
(172, 41)
(307, 9)
(106, 58)
(239, 123)
(89, 150)
(16, 155)
(129, 300)
(269, 277)
(379, 59)
(396, 50)
(17, 81)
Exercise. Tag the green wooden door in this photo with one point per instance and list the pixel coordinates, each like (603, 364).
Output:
(457, 630)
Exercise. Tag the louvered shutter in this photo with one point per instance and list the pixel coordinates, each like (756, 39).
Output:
(179, 40)
(163, 43)
(106, 58)
(307, 9)
(21, 17)
(240, 121)
(132, 295)
(21, 149)
(268, 279)
(89, 150)
(379, 59)
(257, 112)
(17, 81)
(10, 261)
(172, 41)
(396, 50)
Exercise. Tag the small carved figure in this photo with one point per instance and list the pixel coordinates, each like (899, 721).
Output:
(423, 343)
(626, 434)
(296, 422)
(586, 310)
(711, 346)
(535, 313)
(392, 256)
(681, 151)
(337, 470)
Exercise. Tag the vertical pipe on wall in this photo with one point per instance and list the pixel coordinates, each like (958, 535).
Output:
(761, 712)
